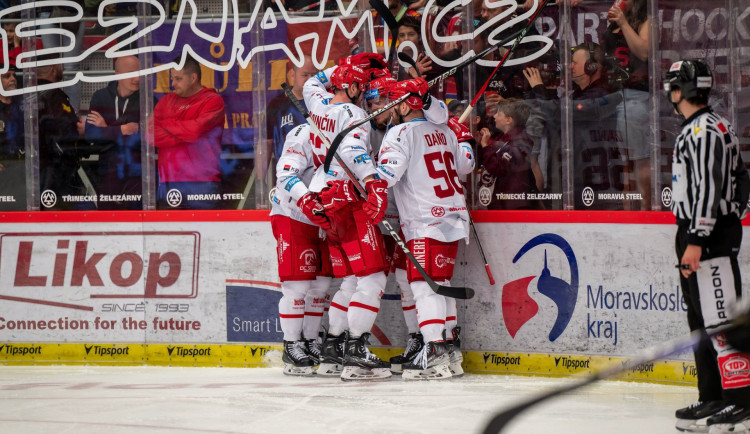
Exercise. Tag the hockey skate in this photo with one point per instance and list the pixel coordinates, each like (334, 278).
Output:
(361, 364)
(693, 417)
(454, 354)
(332, 356)
(413, 347)
(312, 348)
(432, 363)
(731, 419)
(296, 361)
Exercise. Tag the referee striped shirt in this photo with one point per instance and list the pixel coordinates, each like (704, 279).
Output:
(704, 163)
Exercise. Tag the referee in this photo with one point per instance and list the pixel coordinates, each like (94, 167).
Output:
(709, 197)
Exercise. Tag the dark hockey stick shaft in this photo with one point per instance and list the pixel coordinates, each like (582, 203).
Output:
(501, 420)
(337, 140)
(500, 64)
(390, 22)
(458, 292)
(406, 58)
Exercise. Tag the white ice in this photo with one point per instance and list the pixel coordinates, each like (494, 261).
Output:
(151, 400)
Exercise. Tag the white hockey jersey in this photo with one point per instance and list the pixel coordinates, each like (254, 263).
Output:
(294, 170)
(331, 119)
(424, 163)
(437, 113)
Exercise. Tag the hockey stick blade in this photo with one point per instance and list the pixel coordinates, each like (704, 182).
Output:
(337, 140)
(457, 292)
(660, 351)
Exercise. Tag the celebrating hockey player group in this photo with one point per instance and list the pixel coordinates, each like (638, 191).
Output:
(325, 223)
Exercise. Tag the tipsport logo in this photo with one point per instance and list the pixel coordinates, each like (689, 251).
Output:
(518, 306)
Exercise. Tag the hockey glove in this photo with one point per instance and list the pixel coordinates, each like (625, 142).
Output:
(377, 199)
(313, 210)
(338, 195)
(420, 87)
(365, 61)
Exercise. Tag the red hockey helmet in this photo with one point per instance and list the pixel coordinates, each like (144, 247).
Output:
(345, 76)
(416, 88)
(379, 88)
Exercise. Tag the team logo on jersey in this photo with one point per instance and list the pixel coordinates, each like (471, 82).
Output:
(666, 197)
(588, 196)
(174, 198)
(437, 211)
(49, 198)
(517, 305)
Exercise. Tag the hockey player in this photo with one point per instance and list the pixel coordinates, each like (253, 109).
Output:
(710, 189)
(435, 111)
(303, 260)
(423, 163)
(356, 246)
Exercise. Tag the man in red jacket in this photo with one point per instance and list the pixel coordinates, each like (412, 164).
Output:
(188, 126)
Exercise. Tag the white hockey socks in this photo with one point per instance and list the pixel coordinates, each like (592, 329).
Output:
(337, 313)
(430, 311)
(408, 304)
(315, 304)
(450, 316)
(365, 303)
(292, 308)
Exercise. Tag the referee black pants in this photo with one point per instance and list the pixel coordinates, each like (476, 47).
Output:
(724, 240)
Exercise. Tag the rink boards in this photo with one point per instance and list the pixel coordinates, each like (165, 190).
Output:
(574, 291)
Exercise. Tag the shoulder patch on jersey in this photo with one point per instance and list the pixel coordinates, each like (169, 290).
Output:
(321, 76)
(697, 129)
(721, 127)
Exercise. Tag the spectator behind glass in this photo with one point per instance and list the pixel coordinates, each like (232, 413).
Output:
(188, 125)
(597, 146)
(282, 116)
(63, 184)
(506, 167)
(14, 41)
(627, 39)
(112, 122)
(12, 162)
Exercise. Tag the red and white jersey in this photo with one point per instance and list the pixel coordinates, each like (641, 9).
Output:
(424, 163)
(331, 119)
(294, 170)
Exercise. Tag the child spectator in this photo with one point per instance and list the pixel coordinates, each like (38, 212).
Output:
(508, 177)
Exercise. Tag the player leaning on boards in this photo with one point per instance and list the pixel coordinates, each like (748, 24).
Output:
(423, 162)
(710, 189)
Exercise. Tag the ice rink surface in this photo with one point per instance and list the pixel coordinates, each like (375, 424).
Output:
(151, 400)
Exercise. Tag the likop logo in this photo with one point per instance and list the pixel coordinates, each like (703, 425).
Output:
(58, 268)
(518, 307)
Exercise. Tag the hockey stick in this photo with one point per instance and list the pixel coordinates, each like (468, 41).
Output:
(337, 140)
(406, 58)
(462, 293)
(499, 421)
(512, 48)
(390, 22)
